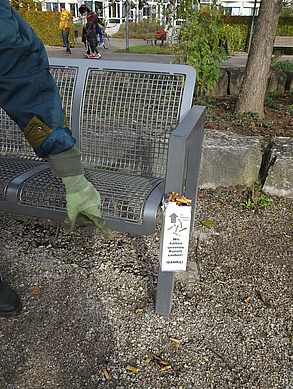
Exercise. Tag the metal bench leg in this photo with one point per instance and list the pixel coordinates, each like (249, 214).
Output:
(164, 292)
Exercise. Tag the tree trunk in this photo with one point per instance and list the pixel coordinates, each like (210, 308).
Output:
(253, 89)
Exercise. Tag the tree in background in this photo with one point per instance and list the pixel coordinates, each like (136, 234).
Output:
(198, 42)
(287, 10)
(254, 85)
(29, 5)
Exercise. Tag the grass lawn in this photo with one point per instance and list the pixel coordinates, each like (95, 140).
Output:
(148, 49)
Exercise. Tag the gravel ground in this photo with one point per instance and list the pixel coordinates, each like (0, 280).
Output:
(88, 305)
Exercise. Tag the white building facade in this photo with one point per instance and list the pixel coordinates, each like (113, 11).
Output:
(114, 12)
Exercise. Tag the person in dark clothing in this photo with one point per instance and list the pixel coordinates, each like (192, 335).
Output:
(30, 97)
(89, 33)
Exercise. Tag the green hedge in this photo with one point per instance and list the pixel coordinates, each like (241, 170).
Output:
(46, 26)
(243, 25)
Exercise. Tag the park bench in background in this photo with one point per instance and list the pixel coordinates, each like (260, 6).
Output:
(138, 137)
(283, 41)
(160, 36)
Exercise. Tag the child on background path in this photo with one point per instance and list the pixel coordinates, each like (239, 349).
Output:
(89, 32)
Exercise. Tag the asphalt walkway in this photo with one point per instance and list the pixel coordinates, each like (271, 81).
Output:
(237, 59)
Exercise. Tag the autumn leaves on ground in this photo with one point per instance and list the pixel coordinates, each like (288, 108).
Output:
(278, 119)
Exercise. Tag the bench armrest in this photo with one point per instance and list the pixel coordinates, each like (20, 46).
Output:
(185, 147)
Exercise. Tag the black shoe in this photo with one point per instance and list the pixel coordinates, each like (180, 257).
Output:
(10, 303)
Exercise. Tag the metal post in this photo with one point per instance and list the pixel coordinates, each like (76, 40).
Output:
(252, 23)
(127, 27)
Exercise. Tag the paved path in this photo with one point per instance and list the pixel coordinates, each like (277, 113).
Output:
(115, 44)
(239, 59)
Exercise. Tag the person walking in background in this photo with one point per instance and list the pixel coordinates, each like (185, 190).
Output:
(30, 96)
(64, 26)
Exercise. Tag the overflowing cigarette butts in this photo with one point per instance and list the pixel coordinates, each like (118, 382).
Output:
(174, 197)
(106, 374)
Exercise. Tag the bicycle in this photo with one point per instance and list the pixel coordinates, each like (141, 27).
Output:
(106, 39)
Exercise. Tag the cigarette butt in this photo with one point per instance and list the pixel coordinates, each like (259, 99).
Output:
(164, 362)
(132, 368)
(106, 374)
(148, 360)
(138, 310)
(166, 368)
(175, 340)
(248, 298)
(222, 282)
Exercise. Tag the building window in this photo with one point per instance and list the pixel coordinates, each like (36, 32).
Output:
(228, 10)
(73, 10)
(53, 7)
(235, 11)
(247, 11)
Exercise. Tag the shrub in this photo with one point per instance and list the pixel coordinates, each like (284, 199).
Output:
(283, 65)
(233, 36)
(198, 44)
(46, 26)
(137, 30)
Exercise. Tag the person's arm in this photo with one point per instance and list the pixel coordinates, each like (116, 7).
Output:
(29, 95)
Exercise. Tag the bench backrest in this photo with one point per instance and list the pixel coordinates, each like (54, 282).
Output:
(121, 113)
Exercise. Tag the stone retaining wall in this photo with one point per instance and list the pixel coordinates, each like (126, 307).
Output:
(233, 160)
(231, 78)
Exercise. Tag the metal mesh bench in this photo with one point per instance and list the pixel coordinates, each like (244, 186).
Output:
(138, 137)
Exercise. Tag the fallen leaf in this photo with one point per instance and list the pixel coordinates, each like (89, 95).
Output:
(255, 196)
(240, 236)
(208, 223)
(35, 289)
(200, 194)
(265, 300)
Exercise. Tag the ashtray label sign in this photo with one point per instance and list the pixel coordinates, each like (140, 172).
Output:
(175, 237)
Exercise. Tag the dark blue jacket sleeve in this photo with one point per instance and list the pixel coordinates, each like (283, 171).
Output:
(28, 92)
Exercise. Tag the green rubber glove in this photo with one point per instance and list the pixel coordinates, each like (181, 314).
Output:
(83, 200)
(84, 203)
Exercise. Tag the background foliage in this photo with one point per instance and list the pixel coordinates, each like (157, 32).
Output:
(46, 26)
(235, 31)
(198, 43)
